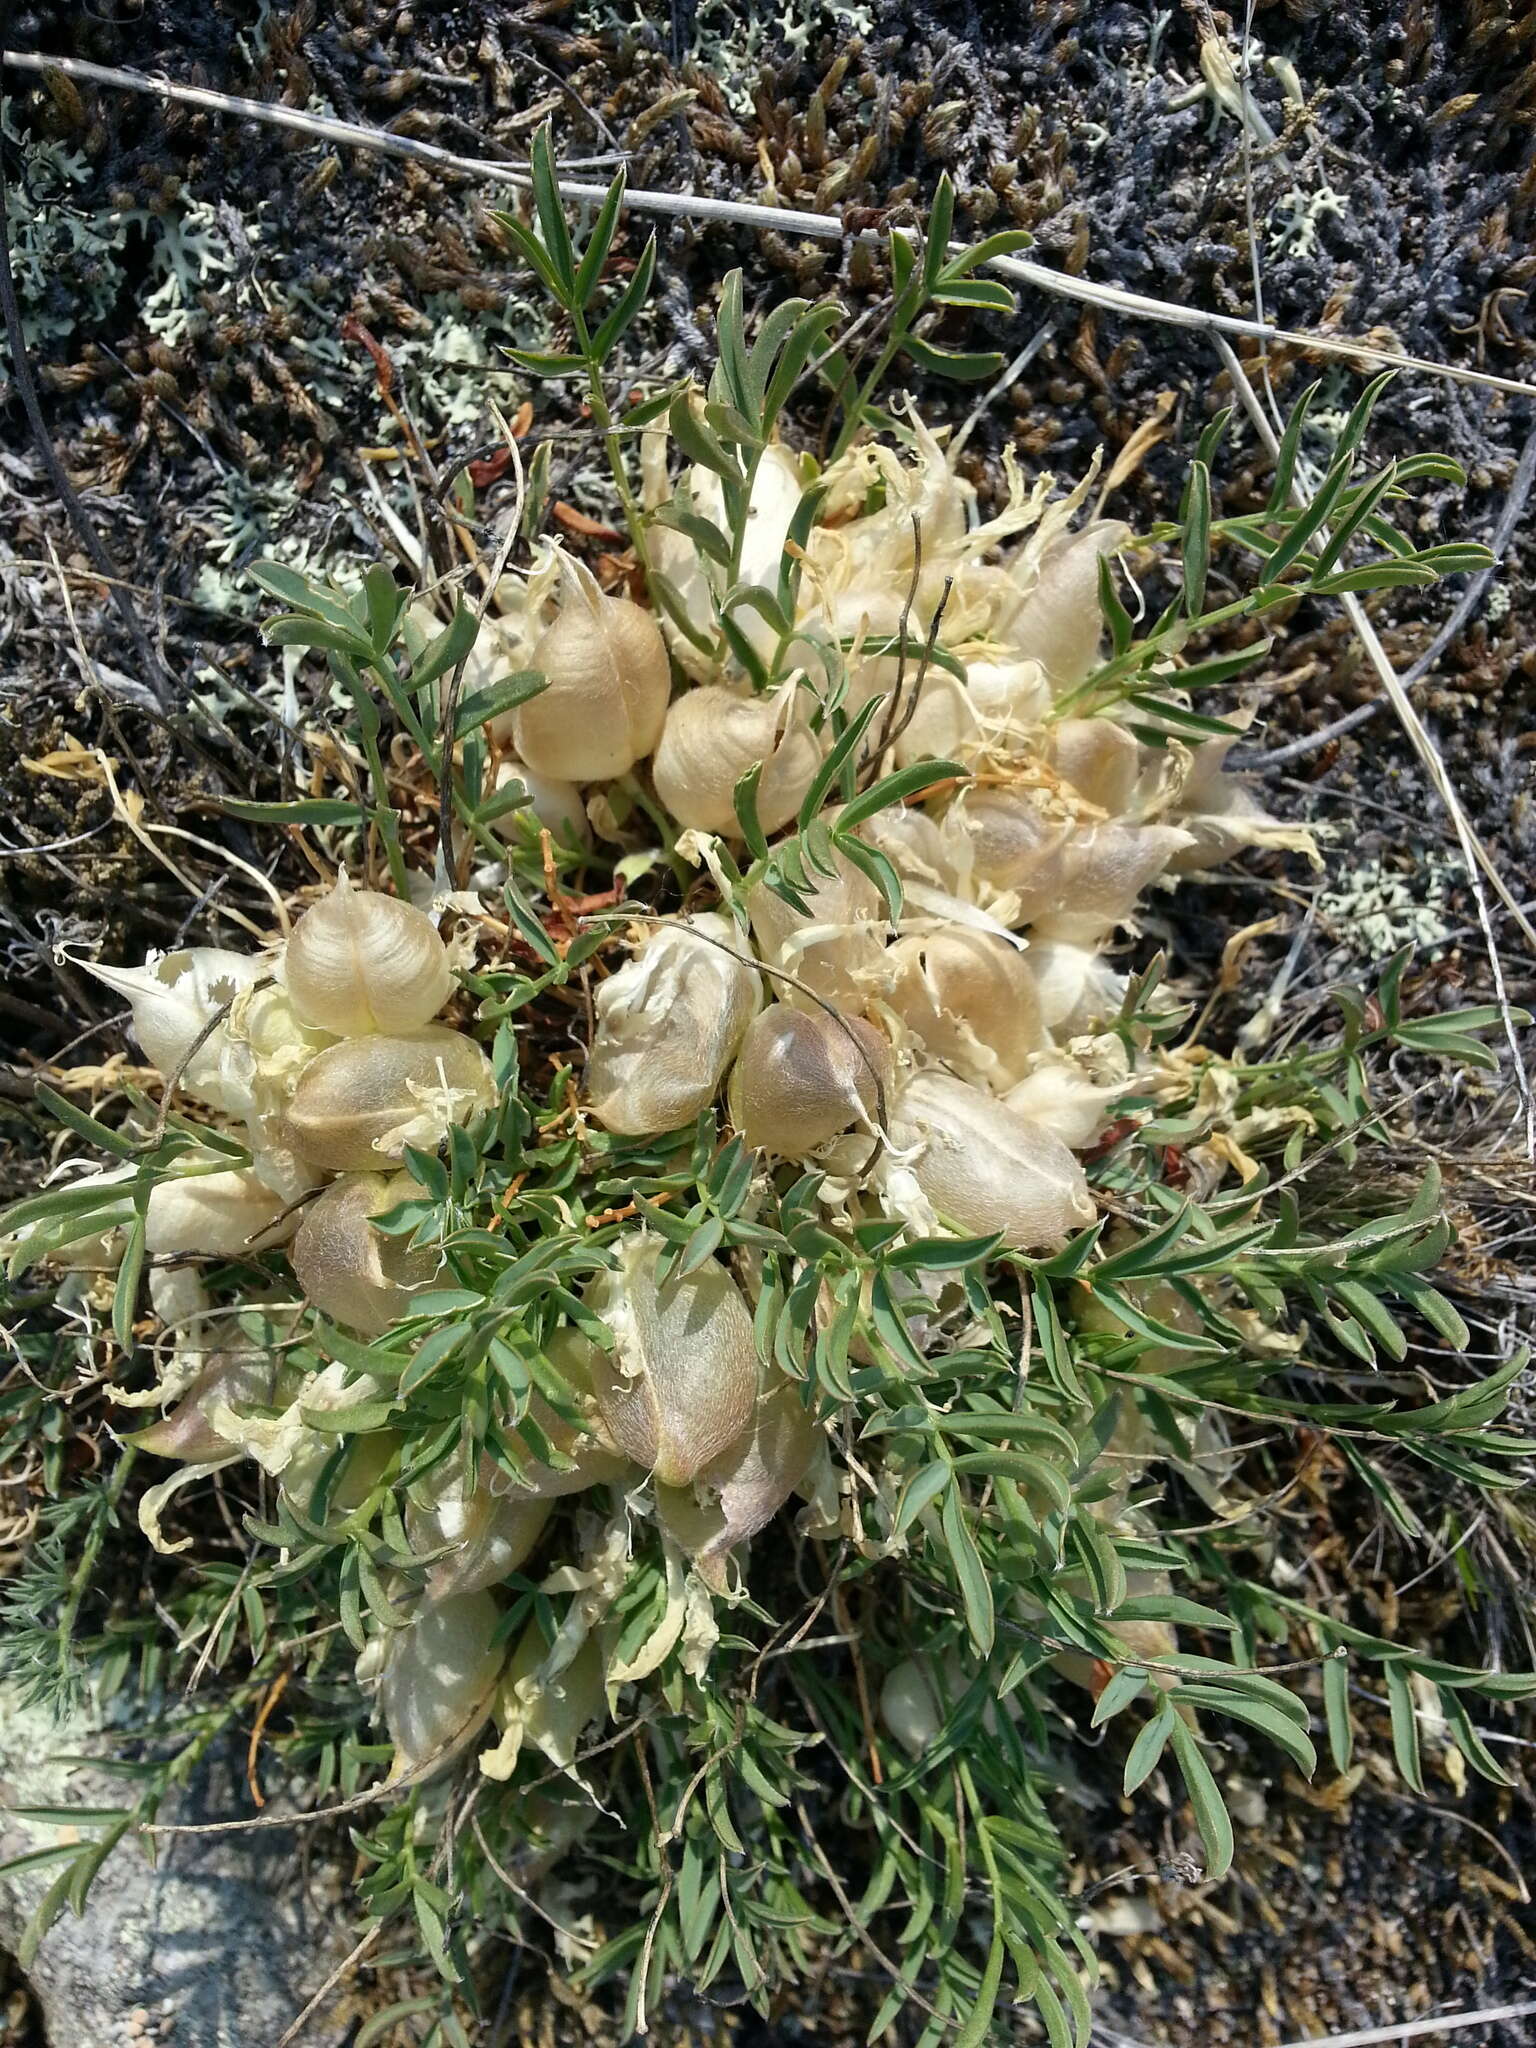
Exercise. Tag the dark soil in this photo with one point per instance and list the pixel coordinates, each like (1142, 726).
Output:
(244, 412)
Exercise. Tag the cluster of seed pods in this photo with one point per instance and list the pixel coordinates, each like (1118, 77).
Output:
(947, 1069)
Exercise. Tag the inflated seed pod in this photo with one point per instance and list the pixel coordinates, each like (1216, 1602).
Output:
(910, 1706)
(175, 997)
(667, 1025)
(983, 1169)
(1100, 759)
(1059, 621)
(1078, 880)
(713, 736)
(360, 961)
(491, 1536)
(439, 1679)
(743, 1489)
(802, 1076)
(347, 1269)
(680, 1384)
(218, 1215)
(834, 947)
(591, 1463)
(970, 999)
(607, 684)
(359, 1104)
(1012, 841)
(554, 804)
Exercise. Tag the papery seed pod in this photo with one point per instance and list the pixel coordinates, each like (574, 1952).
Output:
(360, 1103)
(1101, 876)
(1078, 881)
(835, 946)
(591, 1463)
(679, 1386)
(347, 1269)
(667, 1025)
(775, 495)
(802, 1076)
(1011, 841)
(910, 1706)
(1100, 759)
(359, 961)
(230, 1378)
(742, 1490)
(1059, 622)
(608, 680)
(984, 1169)
(439, 1679)
(555, 805)
(216, 1215)
(174, 999)
(1058, 1096)
(970, 999)
(491, 1536)
(1076, 986)
(713, 736)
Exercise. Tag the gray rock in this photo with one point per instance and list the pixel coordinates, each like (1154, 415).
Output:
(215, 1944)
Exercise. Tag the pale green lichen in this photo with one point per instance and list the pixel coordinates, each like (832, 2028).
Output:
(1376, 909)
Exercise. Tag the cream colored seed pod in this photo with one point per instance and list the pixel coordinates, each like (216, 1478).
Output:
(360, 1103)
(346, 1268)
(439, 1678)
(555, 805)
(742, 1491)
(680, 1385)
(802, 1076)
(574, 1357)
(491, 1537)
(1059, 622)
(835, 946)
(216, 1215)
(970, 999)
(608, 680)
(229, 1379)
(1100, 759)
(667, 1025)
(713, 736)
(359, 961)
(982, 1168)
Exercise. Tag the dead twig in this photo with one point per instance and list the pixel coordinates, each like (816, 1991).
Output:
(785, 220)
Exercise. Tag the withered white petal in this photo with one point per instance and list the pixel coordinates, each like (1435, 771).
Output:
(174, 998)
